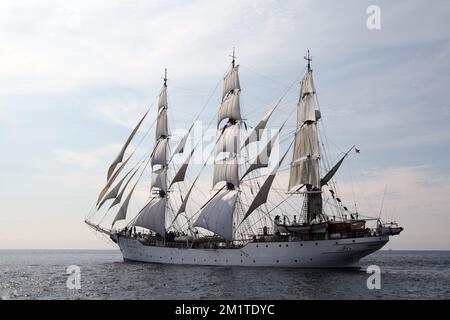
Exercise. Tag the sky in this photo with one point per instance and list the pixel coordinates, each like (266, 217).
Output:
(75, 76)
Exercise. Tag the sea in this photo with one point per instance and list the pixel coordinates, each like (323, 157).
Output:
(94, 274)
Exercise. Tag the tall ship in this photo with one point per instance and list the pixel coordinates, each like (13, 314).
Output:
(260, 210)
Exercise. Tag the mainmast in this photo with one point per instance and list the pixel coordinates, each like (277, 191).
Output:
(217, 214)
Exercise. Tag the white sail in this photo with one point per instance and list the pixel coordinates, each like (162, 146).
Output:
(333, 170)
(257, 131)
(111, 180)
(262, 161)
(161, 125)
(182, 207)
(306, 111)
(263, 192)
(307, 85)
(153, 216)
(162, 99)
(226, 170)
(120, 195)
(229, 140)
(119, 157)
(159, 156)
(122, 213)
(114, 191)
(159, 179)
(231, 81)
(304, 171)
(181, 173)
(306, 142)
(182, 144)
(230, 108)
(217, 214)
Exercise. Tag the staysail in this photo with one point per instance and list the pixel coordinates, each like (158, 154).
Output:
(262, 160)
(121, 193)
(181, 173)
(114, 191)
(119, 157)
(122, 213)
(330, 174)
(263, 193)
(111, 180)
(257, 131)
(182, 144)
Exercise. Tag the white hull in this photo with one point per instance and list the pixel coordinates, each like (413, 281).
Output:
(337, 253)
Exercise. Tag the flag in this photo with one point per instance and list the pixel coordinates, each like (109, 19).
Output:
(357, 150)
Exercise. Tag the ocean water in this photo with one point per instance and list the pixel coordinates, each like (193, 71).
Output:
(42, 274)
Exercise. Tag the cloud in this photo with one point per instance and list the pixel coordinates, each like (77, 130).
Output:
(87, 159)
(416, 197)
(76, 77)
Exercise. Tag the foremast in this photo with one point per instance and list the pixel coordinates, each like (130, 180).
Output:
(153, 215)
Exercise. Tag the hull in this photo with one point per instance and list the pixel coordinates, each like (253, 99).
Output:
(338, 253)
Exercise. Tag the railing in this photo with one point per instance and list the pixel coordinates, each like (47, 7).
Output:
(257, 238)
(156, 243)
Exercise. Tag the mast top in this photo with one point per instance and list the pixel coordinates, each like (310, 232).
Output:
(309, 59)
(165, 77)
(234, 57)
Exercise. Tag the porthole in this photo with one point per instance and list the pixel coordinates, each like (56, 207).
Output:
(204, 259)
(287, 245)
(170, 258)
(160, 257)
(295, 261)
(254, 261)
(301, 244)
(353, 241)
(337, 242)
(279, 245)
(267, 245)
(316, 243)
(278, 261)
(195, 260)
(242, 261)
(310, 259)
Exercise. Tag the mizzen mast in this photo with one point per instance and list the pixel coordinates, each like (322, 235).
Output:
(304, 171)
